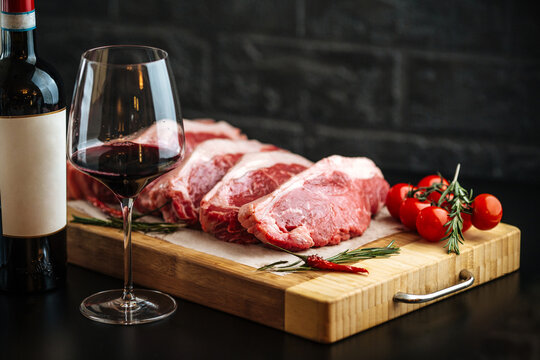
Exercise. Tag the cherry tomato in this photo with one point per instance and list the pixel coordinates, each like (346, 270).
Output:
(466, 222)
(409, 211)
(396, 196)
(430, 223)
(430, 180)
(487, 211)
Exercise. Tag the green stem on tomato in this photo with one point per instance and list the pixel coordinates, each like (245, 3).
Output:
(423, 193)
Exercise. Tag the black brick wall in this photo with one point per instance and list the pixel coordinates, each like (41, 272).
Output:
(416, 85)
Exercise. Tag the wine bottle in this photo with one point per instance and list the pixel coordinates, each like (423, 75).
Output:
(32, 159)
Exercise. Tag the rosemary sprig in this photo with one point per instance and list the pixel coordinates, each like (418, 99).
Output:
(365, 253)
(158, 227)
(117, 223)
(346, 256)
(459, 201)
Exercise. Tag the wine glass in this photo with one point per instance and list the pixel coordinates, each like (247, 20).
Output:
(125, 129)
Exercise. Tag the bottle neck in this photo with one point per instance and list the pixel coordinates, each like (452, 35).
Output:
(18, 19)
(19, 45)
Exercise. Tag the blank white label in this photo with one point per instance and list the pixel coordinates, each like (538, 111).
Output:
(33, 174)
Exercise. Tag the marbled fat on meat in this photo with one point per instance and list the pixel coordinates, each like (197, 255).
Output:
(179, 192)
(330, 202)
(254, 176)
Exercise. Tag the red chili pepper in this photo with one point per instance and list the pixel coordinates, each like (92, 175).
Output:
(105, 208)
(318, 262)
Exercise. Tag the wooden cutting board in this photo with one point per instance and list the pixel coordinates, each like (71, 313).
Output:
(324, 307)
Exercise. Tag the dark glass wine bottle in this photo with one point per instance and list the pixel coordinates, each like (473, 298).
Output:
(32, 159)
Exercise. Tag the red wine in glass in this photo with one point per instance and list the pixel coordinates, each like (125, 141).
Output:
(125, 167)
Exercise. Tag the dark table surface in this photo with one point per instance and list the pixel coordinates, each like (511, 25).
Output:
(497, 320)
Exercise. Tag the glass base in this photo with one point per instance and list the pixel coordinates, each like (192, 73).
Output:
(109, 307)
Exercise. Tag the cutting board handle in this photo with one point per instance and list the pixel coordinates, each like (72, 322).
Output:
(467, 280)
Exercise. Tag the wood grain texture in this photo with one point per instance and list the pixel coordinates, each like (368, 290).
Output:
(334, 306)
(323, 307)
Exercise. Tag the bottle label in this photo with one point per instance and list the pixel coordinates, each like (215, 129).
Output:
(33, 174)
(22, 21)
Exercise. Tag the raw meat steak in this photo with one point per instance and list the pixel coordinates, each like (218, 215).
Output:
(185, 186)
(197, 131)
(82, 186)
(330, 202)
(255, 175)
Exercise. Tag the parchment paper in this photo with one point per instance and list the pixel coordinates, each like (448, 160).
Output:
(256, 255)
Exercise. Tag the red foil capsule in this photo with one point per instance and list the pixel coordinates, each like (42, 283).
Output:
(17, 6)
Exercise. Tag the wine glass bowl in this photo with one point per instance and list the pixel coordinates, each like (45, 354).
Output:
(125, 129)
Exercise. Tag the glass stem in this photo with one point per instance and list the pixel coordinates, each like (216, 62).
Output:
(127, 209)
